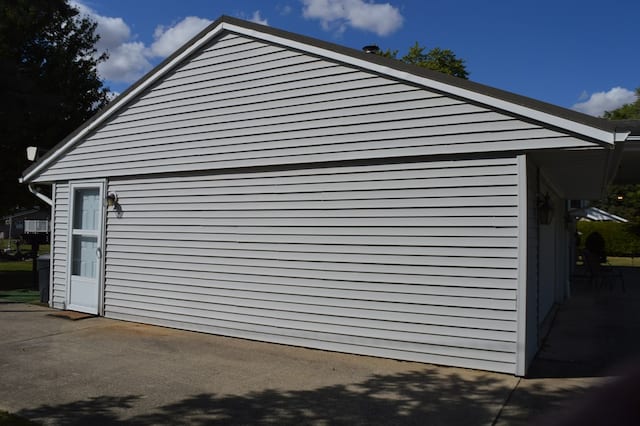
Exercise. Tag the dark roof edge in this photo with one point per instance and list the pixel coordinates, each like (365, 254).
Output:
(569, 114)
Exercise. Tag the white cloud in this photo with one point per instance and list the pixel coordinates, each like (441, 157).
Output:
(380, 18)
(112, 31)
(130, 59)
(168, 39)
(258, 19)
(285, 10)
(600, 102)
(126, 63)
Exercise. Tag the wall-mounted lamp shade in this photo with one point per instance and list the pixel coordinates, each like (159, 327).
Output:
(112, 199)
(545, 209)
(32, 153)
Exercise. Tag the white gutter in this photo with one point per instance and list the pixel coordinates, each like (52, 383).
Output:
(39, 195)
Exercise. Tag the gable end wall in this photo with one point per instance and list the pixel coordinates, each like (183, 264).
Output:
(242, 103)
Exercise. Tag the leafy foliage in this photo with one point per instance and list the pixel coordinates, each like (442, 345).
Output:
(629, 205)
(620, 239)
(627, 111)
(48, 80)
(437, 59)
(622, 200)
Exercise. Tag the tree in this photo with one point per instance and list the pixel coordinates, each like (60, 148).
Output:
(623, 200)
(442, 60)
(48, 80)
(627, 111)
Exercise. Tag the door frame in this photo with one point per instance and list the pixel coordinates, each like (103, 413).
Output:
(101, 184)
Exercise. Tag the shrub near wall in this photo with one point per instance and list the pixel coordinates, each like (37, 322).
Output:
(621, 239)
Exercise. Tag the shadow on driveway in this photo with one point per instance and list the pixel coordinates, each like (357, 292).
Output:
(423, 397)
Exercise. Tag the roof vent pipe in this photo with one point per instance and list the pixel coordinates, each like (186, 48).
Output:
(372, 48)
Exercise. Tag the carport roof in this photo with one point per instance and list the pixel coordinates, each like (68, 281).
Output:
(598, 130)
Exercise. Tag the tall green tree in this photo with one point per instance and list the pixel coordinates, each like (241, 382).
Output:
(626, 112)
(624, 200)
(437, 59)
(48, 81)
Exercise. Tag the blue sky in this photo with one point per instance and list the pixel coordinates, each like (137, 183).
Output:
(580, 54)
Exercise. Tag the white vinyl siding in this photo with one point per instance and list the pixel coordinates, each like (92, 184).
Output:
(415, 261)
(60, 245)
(242, 103)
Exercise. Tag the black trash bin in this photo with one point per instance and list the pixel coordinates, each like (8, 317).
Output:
(44, 263)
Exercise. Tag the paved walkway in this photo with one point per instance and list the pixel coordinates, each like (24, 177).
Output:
(99, 371)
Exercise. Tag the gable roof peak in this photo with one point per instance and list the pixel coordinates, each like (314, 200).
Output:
(595, 129)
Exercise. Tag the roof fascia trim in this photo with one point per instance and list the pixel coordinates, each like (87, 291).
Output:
(119, 102)
(604, 136)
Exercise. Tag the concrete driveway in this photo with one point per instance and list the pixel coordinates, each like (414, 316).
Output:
(57, 370)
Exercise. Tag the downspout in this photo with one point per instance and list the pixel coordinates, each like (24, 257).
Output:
(40, 195)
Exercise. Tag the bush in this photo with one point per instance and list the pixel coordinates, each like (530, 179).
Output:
(621, 239)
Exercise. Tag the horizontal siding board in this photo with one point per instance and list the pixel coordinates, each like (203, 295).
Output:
(315, 92)
(354, 279)
(330, 132)
(323, 323)
(263, 330)
(421, 222)
(309, 79)
(382, 306)
(351, 101)
(232, 80)
(499, 189)
(192, 234)
(331, 187)
(316, 138)
(471, 232)
(192, 289)
(372, 173)
(157, 212)
(225, 58)
(203, 254)
(196, 162)
(293, 100)
(287, 120)
(145, 204)
(455, 286)
(452, 360)
(249, 68)
(241, 63)
(147, 244)
(310, 269)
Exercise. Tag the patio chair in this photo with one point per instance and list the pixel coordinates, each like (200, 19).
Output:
(599, 274)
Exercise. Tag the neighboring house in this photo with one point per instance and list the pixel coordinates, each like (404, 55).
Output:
(594, 214)
(274, 187)
(25, 221)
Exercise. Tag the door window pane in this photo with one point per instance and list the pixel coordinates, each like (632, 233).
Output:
(86, 208)
(84, 262)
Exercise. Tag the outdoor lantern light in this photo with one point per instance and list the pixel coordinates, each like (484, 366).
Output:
(545, 209)
(112, 199)
(32, 153)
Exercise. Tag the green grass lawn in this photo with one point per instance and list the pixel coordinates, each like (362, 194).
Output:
(624, 261)
(15, 274)
(16, 282)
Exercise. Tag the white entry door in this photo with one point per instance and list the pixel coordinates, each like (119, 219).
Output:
(85, 247)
